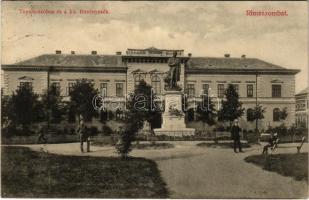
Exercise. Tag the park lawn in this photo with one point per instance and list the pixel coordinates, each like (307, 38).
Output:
(152, 145)
(30, 174)
(293, 165)
(225, 145)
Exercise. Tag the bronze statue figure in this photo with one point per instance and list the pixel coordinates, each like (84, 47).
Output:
(174, 72)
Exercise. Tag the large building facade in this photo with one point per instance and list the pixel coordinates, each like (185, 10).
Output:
(256, 81)
(302, 108)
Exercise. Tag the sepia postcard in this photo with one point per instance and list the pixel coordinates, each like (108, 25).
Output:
(154, 99)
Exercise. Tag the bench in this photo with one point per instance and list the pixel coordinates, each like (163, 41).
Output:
(273, 147)
(301, 144)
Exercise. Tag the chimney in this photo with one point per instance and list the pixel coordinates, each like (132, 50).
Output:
(226, 55)
(118, 53)
(72, 52)
(58, 52)
(94, 52)
(189, 54)
(243, 56)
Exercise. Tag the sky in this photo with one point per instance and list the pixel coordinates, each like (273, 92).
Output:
(201, 28)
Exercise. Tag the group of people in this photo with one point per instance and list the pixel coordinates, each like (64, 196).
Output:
(235, 133)
(82, 131)
(84, 136)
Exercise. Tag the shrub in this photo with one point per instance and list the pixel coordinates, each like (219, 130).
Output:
(106, 130)
(280, 130)
(301, 131)
(251, 137)
(17, 131)
(93, 131)
(250, 131)
(59, 132)
(220, 129)
(65, 131)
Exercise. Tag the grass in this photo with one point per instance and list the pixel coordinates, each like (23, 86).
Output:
(153, 146)
(293, 165)
(30, 174)
(228, 145)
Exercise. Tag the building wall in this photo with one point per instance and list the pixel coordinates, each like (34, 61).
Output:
(287, 83)
(102, 77)
(302, 110)
(146, 69)
(264, 91)
(12, 80)
(214, 79)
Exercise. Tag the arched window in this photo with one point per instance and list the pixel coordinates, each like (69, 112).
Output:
(156, 84)
(250, 114)
(276, 115)
(137, 79)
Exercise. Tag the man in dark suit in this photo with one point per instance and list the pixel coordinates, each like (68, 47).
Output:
(235, 132)
(82, 130)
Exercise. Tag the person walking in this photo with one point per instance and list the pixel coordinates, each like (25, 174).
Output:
(235, 130)
(41, 134)
(83, 136)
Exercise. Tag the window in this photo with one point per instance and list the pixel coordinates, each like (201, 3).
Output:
(220, 90)
(137, 79)
(156, 84)
(103, 89)
(190, 90)
(205, 89)
(56, 85)
(26, 84)
(119, 89)
(250, 90)
(276, 90)
(70, 88)
(276, 115)
(250, 113)
(236, 87)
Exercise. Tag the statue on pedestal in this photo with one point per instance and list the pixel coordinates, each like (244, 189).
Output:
(173, 73)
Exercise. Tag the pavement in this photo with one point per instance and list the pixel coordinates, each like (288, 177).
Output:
(206, 172)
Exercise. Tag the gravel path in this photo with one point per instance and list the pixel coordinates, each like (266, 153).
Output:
(199, 172)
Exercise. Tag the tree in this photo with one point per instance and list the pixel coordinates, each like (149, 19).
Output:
(256, 114)
(283, 114)
(206, 111)
(24, 108)
(81, 95)
(231, 107)
(141, 106)
(53, 104)
(5, 99)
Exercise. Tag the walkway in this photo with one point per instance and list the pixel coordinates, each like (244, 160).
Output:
(196, 172)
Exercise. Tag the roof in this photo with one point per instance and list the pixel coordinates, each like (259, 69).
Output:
(156, 49)
(73, 60)
(229, 63)
(304, 91)
(200, 64)
(77, 62)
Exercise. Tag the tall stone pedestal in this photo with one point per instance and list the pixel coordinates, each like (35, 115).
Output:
(173, 118)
